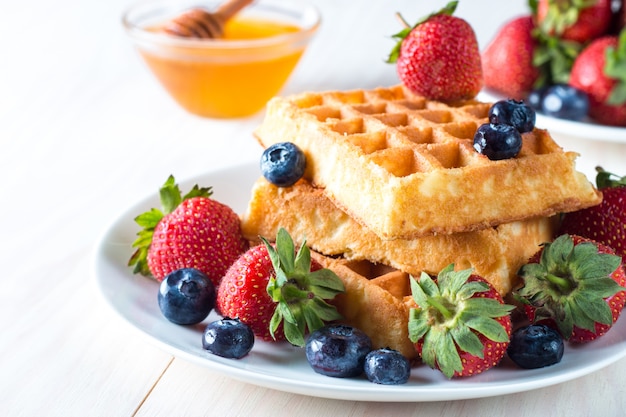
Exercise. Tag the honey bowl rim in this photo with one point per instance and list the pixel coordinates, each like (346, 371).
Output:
(138, 32)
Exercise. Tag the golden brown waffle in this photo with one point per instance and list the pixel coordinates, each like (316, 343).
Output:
(495, 253)
(405, 166)
(376, 301)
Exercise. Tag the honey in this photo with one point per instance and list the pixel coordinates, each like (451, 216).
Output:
(233, 79)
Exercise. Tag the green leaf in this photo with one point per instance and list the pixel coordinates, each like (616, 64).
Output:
(596, 265)
(450, 281)
(600, 288)
(467, 341)
(429, 349)
(418, 324)
(419, 296)
(294, 334)
(472, 288)
(326, 278)
(170, 195)
(596, 310)
(323, 310)
(490, 328)
(604, 179)
(149, 219)
(429, 286)
(286, 250)
(313, 320)
(615, 68)
(485, 307)
(564, 317)
(447, 356)
(197, 191)
(303, 259)
(288, 313)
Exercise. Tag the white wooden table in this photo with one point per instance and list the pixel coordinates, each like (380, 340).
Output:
(86, 132)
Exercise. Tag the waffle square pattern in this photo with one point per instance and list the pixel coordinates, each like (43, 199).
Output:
(405, 167)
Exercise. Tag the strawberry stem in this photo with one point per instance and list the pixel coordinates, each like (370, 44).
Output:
(564, 284)
(441, 308)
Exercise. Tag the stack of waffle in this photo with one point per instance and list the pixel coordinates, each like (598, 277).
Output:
(394, 187)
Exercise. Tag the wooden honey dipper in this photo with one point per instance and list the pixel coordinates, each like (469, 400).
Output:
(201, 24)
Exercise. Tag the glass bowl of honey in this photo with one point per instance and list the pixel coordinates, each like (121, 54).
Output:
(230, 76)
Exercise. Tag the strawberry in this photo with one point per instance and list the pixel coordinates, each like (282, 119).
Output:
(599, 71)
(575, 285)
(461, 325)
(575, 20)
(279, 293)
(438, 57)
(606, 222)
(508, 59)
(191, 231)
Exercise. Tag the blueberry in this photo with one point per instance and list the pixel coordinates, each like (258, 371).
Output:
(535, 346)
(387, 367)
(565, 102)
(228, 338)
(497, 141)
(513, 112)
(283, 164)
(186, 296)
(338, 350)
(535, 97)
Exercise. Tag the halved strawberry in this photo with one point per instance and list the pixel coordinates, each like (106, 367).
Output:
(575, 285)
(191, 231)
(461, 326)
(278, 292)
(606, 222)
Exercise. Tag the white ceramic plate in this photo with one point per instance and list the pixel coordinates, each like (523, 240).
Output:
(283, 367)
(562, 127)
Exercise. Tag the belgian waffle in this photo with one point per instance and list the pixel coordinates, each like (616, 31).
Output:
(377, 301)
(496, 253)
(405, 166)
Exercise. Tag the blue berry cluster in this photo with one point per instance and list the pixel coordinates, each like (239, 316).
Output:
(343, 351)
(561, 101)
(501, 138)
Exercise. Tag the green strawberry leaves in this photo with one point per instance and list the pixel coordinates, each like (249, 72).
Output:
(569, 285)
(299, 293)
(604, 179)
(448, 9)
(563, 14)
(554, 57)
(450, 315)
(615, 68)
(171, 197)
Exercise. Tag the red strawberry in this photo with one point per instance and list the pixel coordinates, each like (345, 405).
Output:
(461, 326)
(193, 231)
(575, 285)
(508, 59)
(575, 20)
(279, 293)
(599, 72)
(606, 222)
(438, 57)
